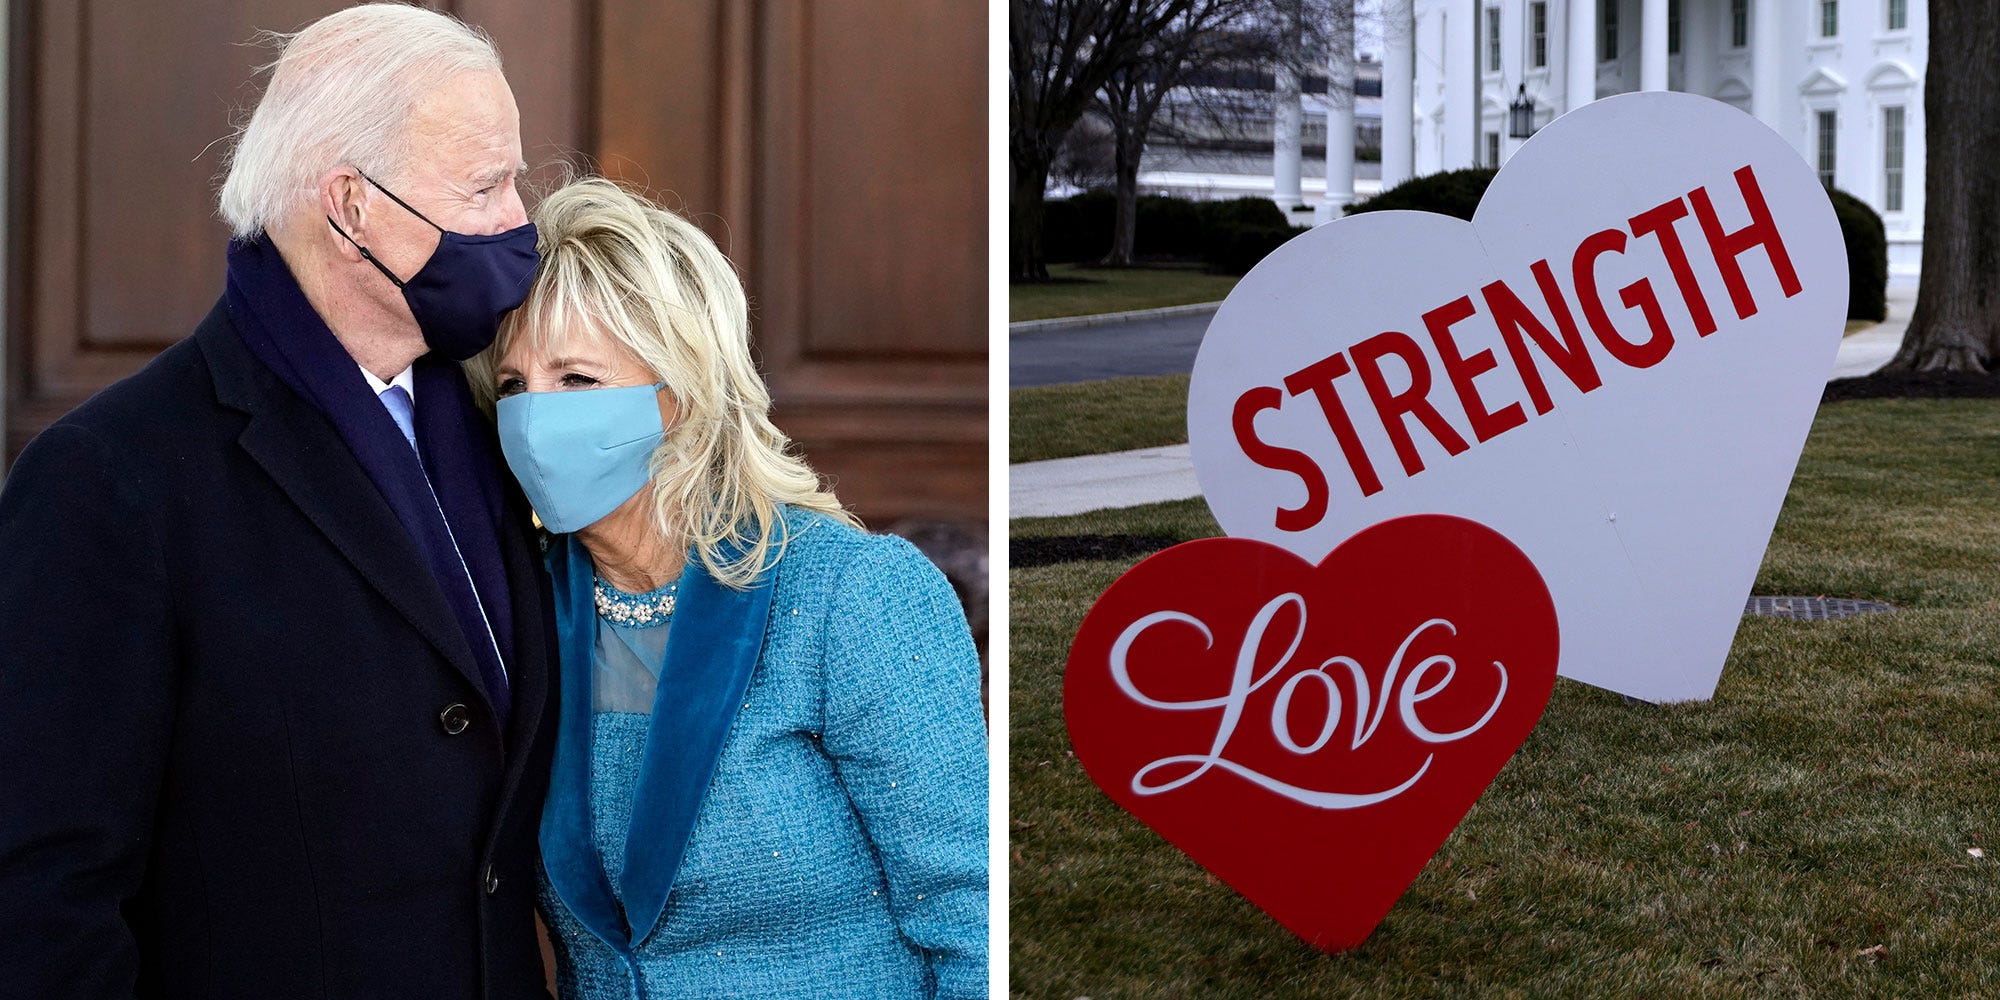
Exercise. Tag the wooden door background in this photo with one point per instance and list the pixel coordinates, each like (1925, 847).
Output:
(834, 148)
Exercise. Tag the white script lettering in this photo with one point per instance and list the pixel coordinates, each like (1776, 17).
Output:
(1246, 679)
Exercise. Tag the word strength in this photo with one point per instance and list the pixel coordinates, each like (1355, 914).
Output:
(1547, 336)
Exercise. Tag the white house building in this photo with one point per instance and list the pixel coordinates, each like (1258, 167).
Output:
(1842, 80)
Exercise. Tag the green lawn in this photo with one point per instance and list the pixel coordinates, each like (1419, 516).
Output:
(1803, 834)
(1091, 418)
(1080, 290)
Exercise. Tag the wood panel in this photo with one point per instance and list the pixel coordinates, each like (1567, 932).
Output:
(836, 148)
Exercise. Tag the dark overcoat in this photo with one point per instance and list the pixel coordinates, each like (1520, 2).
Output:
(244, 750)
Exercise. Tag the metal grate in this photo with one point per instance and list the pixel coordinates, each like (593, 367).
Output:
(1812, 608)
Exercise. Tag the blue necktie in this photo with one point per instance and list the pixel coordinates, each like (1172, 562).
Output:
(403, 410)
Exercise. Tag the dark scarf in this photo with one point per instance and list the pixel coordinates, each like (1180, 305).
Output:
(281, 328)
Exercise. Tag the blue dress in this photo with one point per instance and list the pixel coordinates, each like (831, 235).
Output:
(826, 839)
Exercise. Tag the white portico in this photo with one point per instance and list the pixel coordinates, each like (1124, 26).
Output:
(1841, 80)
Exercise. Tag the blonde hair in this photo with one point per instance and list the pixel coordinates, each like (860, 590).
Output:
(341, 91)
(656, 284)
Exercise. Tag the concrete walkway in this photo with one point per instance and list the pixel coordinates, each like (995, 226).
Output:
(1152, 475)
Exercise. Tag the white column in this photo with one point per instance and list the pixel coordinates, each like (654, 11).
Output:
(1399, 91)
(1766, 32)
(1461, 81)
(1653, 45)
(1340, 108)
(1580, 59)
(1288, 122)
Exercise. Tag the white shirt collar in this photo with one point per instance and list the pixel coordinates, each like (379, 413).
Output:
(407, 378)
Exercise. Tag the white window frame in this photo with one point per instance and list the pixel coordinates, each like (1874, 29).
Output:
(1489, 56)
(1826, 145)
(1889, 8)
(1739, 13)
(1538, 39)
(1900, 186)
(1825, 11)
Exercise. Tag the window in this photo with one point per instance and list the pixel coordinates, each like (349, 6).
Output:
(1673, 27)
(1892, 159)
(1493, 39)
(1829, 18)
(1607, 36)
(1827, 133)
(1492, 149)
(1538, 34)
(1739, 23)
(1899, 15)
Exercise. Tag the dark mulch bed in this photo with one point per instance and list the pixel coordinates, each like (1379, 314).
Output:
(1023, 552)
(1913, 385)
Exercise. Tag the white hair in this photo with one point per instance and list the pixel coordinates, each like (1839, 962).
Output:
(341, 91)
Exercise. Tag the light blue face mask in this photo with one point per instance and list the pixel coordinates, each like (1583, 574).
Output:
(581, 453)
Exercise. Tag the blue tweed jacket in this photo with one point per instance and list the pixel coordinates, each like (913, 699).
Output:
(806, 809)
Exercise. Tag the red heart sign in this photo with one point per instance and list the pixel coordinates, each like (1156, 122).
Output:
(1311, 734)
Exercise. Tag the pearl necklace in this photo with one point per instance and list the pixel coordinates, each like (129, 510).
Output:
(627, 610)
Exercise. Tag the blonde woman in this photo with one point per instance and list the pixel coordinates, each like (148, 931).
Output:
(770, 775)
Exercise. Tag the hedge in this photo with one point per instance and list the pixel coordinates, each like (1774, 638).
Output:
(1231, 236)
(1867, 257)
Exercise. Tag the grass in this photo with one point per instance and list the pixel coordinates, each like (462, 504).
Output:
(1803, 834)
(1082, 290)
(1090, 418)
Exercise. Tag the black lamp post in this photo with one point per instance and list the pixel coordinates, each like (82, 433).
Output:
(1521, 115)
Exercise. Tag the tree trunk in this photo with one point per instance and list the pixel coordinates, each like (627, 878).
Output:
(1956, 325)
(1031, 176)
(1125, 222)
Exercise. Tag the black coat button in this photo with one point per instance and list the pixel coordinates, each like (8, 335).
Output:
(492, 881)
(455, 718)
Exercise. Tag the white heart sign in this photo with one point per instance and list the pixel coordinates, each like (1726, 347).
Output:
(1614, 365)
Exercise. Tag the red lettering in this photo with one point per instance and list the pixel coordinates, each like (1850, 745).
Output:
(1317, 378)
(1762, 231)
(1460, 371)
(1639, 293)
(1570, 355)
(1243, 421)
(1394, 407)
(1659, 224)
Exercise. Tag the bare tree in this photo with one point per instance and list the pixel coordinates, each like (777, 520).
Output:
(1059, 53)
(1085, 160)
(1956, 326)
(1197, 38)
(1202, 44)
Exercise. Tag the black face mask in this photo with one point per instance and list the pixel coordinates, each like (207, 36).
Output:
(469, 283)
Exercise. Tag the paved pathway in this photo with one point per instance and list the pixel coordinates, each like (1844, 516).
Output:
(1151, 475)
(1151, 342)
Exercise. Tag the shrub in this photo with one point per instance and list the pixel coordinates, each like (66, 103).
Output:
(1235, 249)
(1245, 212)
(1077, 229)
(1867, 257)
(1168, 227)
(1454, 192)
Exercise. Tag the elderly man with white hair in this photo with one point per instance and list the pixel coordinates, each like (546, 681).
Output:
(275, 709)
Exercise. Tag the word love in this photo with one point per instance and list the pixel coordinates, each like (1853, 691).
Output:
(1312, 732)
(1501, 308)
(1425, 681)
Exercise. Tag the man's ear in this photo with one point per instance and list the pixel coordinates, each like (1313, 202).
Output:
(343, 200)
